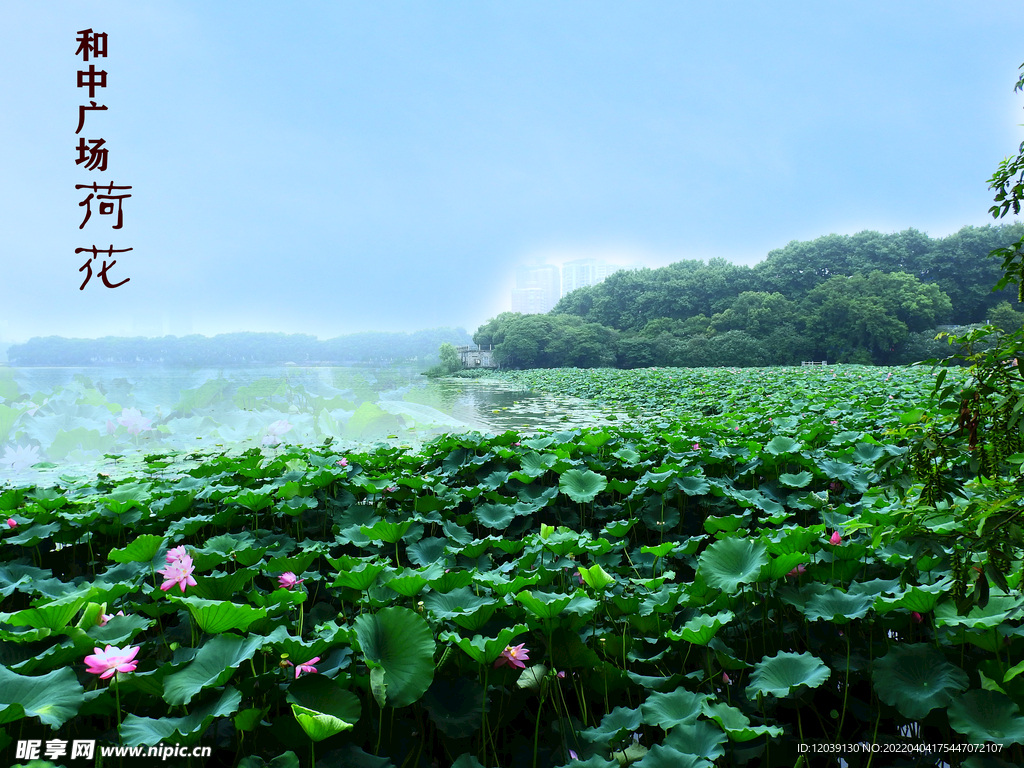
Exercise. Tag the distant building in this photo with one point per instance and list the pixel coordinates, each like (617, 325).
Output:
(538, 289)
(581, 272)
(477, 357)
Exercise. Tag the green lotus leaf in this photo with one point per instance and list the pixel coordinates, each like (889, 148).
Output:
(485, 650)
(451, 580)
(150, 731)
(618, 528)
(213, 665)
(581, 486)
(799, 480)
(216, 616)
(595, 577)
(494, 515)
(866, 453)
(532, 678)
(407, 586)
(782, 444)
(287, 760)
(467, 760)
(793, 540)
(455, 705)
(454, 602)
(1000, 608)
(568, 651)
(780, 566)
(325, 706)
(736, 724)
(614, 727)
(426, 551)
(922, 599)
(916, 679)
(253, 501)
(53, 616)
(730, 562)
(667, 710)
(456, 532)
(838, 607)
(476, 619)
(660, 756)
(359, 577)
(692, 485)
(118, 630)
(698, 738)
(542, 604)
(627, 456)
(535, 464)
(402, 644)
(33, 535)
(727, 523)
(54, 697)
(318, 725)
(700, 629)
(141, 550)
(219, 585)
(987, 716)
(385, 531)
(781, 674)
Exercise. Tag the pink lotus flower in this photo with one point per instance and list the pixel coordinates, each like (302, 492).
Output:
(391, 488)
(726, 679)
(514, 656)
(835, 538)
(797, 571)
(288, 580)
(179, 572)
(104, 618)
(573, 755)
(696, 446)
(132, 419)
(110, 660)
(177, 553)
(342, 462)
(111, 427)
(12, 523)
(307, 667)
(917, 617)
(561, 674)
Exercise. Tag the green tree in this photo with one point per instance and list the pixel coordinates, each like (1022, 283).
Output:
(450, 359)
(846, 317)
(756, 313)
(493, 331)
(1005, 318)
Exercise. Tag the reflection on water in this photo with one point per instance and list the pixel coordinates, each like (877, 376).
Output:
(106, 419)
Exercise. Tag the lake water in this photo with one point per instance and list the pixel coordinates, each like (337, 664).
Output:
(105, 419)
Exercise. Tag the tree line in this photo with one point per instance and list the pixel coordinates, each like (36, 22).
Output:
(236, 348)
(867, 298)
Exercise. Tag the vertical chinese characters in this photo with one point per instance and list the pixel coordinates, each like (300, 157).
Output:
(93, 155)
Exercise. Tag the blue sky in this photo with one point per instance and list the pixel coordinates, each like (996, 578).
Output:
(333, 167)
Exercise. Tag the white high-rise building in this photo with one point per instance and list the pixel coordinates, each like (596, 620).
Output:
(581, 272)
(538, 289)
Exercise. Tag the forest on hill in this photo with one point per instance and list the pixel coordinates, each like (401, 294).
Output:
(867, 298)
(236, 348)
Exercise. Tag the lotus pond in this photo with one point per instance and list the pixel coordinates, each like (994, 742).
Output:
(739, 566)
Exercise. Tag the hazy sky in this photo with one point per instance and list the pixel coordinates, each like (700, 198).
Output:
(332, 167)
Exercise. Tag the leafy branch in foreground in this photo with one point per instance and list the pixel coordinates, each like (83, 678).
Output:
(969, 460)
